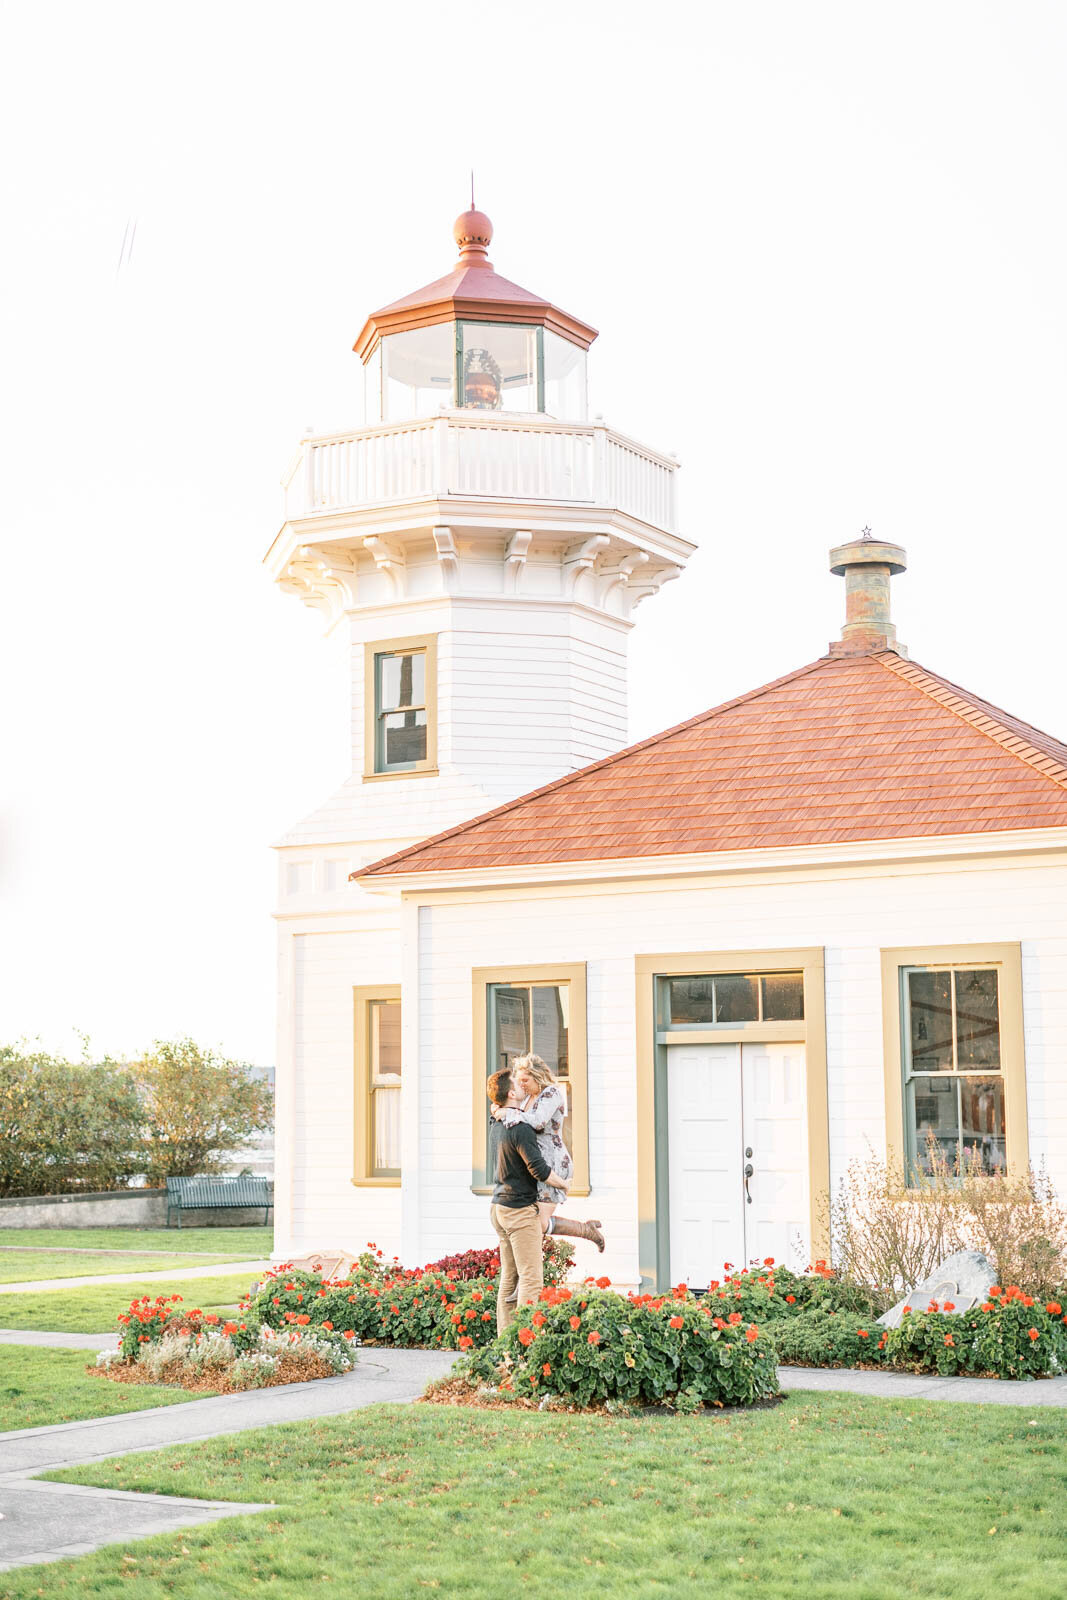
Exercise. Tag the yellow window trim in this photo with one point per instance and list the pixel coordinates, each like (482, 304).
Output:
(427, 644)
(363, 1155)
(573, 975)
(811, 1032)
(1007, 958)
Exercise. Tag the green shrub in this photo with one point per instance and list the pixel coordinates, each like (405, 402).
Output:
(769, 1292)
(1010, 1335)
(822, 1337)
(421, 1309)
(65, 1128)
(198, 1107)
(588, 1346)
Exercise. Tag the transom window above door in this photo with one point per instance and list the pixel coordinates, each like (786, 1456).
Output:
(727, 999)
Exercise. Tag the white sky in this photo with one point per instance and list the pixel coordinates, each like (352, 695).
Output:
(825, 245)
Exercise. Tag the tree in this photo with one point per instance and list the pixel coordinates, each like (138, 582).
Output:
(197, 1107)
(65, 1127)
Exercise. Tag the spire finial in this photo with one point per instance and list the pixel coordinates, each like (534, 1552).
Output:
(473, 233)
(472, 188)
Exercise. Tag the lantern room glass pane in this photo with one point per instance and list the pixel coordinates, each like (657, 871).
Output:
(499, 366)
(418, 371)
(565, 379)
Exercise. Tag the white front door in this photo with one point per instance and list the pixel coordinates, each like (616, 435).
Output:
(731, 1107)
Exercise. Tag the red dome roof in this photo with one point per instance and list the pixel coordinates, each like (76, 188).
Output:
(471, 290)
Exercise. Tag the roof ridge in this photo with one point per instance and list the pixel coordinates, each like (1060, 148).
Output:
(984, 717)
(596, 766)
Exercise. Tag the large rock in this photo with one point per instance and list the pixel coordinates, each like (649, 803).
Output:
(332, 1263)
(964, 1278)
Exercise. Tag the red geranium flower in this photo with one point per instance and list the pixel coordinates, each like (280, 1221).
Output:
(576, 1323)
(994, 1291)
(987, 1306)
(677, 1322)
(465, 1343)
(571, 1356)
(861, 1333)
(603, 1283)
(949, 1339)
(734, 1318)
(539, 1319)
(1033, 1333)
(768, 1261)
(547, 1370)
(526, 1336)
(1053, 1308)
(594, 1337)
(948, 1305)
(303, 1319)
(790, 1299)
(752, 1333)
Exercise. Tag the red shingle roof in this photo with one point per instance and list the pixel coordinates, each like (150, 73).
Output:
(847, 748)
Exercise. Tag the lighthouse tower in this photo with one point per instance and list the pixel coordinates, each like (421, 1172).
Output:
(486, 547)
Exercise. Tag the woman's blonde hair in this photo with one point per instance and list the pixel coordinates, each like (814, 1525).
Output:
(535, 1068)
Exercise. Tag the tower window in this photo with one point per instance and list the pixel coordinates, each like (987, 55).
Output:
(401, 708)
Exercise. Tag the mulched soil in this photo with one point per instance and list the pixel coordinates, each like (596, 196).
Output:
(459, 1391)
(289, 1371)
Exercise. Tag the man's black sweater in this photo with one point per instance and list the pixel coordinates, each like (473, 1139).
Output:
(516, 1164)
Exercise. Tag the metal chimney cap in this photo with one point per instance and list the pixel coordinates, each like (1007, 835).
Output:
(868, 552)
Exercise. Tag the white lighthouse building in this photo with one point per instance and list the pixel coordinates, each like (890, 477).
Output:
(486, 547)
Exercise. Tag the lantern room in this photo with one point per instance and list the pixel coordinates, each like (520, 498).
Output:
(474, 341)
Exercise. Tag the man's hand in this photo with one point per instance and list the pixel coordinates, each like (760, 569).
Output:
(554, 1181)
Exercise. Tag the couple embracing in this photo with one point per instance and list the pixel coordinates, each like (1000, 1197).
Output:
(531, 1169)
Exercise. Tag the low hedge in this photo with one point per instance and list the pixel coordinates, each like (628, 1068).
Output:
(591, 1346)
(1011, 1335)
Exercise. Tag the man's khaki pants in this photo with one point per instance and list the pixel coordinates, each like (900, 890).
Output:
(521, 1260)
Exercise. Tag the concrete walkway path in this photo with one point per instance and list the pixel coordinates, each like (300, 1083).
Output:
(60, 1341)
(46, 1522)
(175, 1275)
(917, 1386)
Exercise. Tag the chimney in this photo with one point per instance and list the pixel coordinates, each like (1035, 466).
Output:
(867, 565)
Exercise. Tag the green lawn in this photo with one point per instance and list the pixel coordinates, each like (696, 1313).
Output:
(94, 1309)
(40, 1387)
(231, 1244)
(31, 1266)
(827, 1495)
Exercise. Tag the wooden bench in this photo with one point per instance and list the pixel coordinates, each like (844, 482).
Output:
(217, 1194)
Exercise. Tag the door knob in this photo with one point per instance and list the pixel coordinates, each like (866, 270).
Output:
(749, 1170)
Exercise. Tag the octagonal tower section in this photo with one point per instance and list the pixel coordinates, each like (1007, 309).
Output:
(486, 547)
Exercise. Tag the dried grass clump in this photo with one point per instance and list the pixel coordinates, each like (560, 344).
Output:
(888, 1235)
(211, 1363)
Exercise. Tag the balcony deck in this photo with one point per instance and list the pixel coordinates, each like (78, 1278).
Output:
(465, 456)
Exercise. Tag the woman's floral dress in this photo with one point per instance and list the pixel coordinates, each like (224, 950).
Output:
(545, 1115)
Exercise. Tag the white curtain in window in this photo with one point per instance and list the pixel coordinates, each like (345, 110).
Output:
(386, 1102)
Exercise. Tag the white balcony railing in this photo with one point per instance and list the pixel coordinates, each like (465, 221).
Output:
(495, 458)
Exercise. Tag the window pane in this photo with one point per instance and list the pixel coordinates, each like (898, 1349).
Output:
(385, 1038)
(401, 681)
(736, 998)
(977, 1021)
(564, 378)
(930, 1021)
(783, 997)
(404, 735)
(384, 1020)
(511, 1024)
(498, 366)
(385, 1112)
(983, 1122)
(418, 371)
(691, 1000)
(932, 1117)
(549, 1009)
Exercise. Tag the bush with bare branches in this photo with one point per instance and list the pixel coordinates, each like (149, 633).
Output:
(889, 1234)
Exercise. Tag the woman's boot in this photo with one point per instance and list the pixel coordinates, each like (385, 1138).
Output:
(568, 1229)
